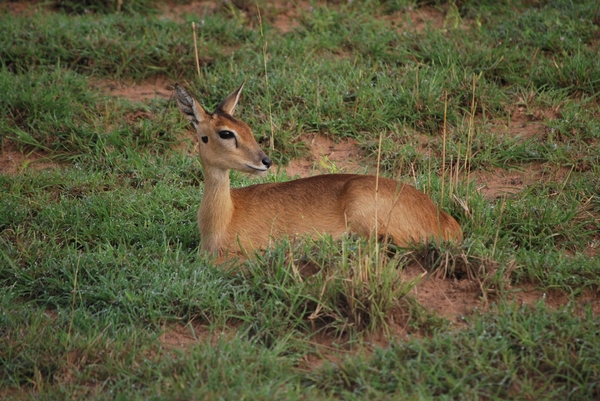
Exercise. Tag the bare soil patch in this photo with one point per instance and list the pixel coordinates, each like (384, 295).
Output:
(283, 15)
(327, 348)
(286, 16)
(13, 161)
(19, 7)
(452, 299)
(500, 182)
(180, 336)
(326, 155)
(417, 20)
(427, 17)
(525, 124)
(529, 295)
(175, 11)
(159, 87)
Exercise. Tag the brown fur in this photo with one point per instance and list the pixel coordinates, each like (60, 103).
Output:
(249, 218)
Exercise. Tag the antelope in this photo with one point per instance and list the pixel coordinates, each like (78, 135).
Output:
(249, 218)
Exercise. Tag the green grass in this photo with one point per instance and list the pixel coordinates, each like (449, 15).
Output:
(515, 353)
(99, 256)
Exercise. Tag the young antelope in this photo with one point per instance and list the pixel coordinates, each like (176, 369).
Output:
(246, 219)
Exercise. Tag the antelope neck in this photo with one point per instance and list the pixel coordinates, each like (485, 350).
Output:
(216, 207)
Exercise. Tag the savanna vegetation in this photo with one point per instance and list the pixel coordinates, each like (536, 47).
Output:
(104, 294)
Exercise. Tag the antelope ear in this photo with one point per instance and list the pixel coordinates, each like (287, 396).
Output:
(189, 106)
(228, 104)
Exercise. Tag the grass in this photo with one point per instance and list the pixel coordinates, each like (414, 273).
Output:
(514, 353)
(99, 256)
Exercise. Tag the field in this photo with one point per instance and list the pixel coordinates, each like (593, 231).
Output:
(490, 107)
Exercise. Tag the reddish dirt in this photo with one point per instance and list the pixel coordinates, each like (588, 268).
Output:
(450, 298)
(177, 11)
(282, 15)
(19, 7)
(417, 20)
(159, 87)
(184, 336)
(287, 21)
(593, 248)
(529, 295)
(499, 182)
(13, 161)
(525, 124)
(326, 156)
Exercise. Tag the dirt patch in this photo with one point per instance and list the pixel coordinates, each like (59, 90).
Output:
(328, 348)
(500, 182)
(455, 299)
(326, 156)
(13, 161)
(286, 17)
(593, 247)
(176, 12)
(529, 295)
(286, 22)
(522, 126)
(526, 124)
(186, 336)
(452, 299)
(417, 20)
(283, 15)
(19, 7)
(159, 87)
(423, 18)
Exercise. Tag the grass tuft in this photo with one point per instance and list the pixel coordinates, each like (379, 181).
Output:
(348, 286)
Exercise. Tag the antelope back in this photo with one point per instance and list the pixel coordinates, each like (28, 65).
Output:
(225, 142)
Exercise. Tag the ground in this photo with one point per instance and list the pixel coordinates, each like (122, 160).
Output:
(449, 298)
(460, 297)
(454, 297)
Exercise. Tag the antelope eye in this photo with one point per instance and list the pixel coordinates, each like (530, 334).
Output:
(226, 134)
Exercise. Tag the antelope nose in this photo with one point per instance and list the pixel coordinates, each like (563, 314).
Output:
(267, 162)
